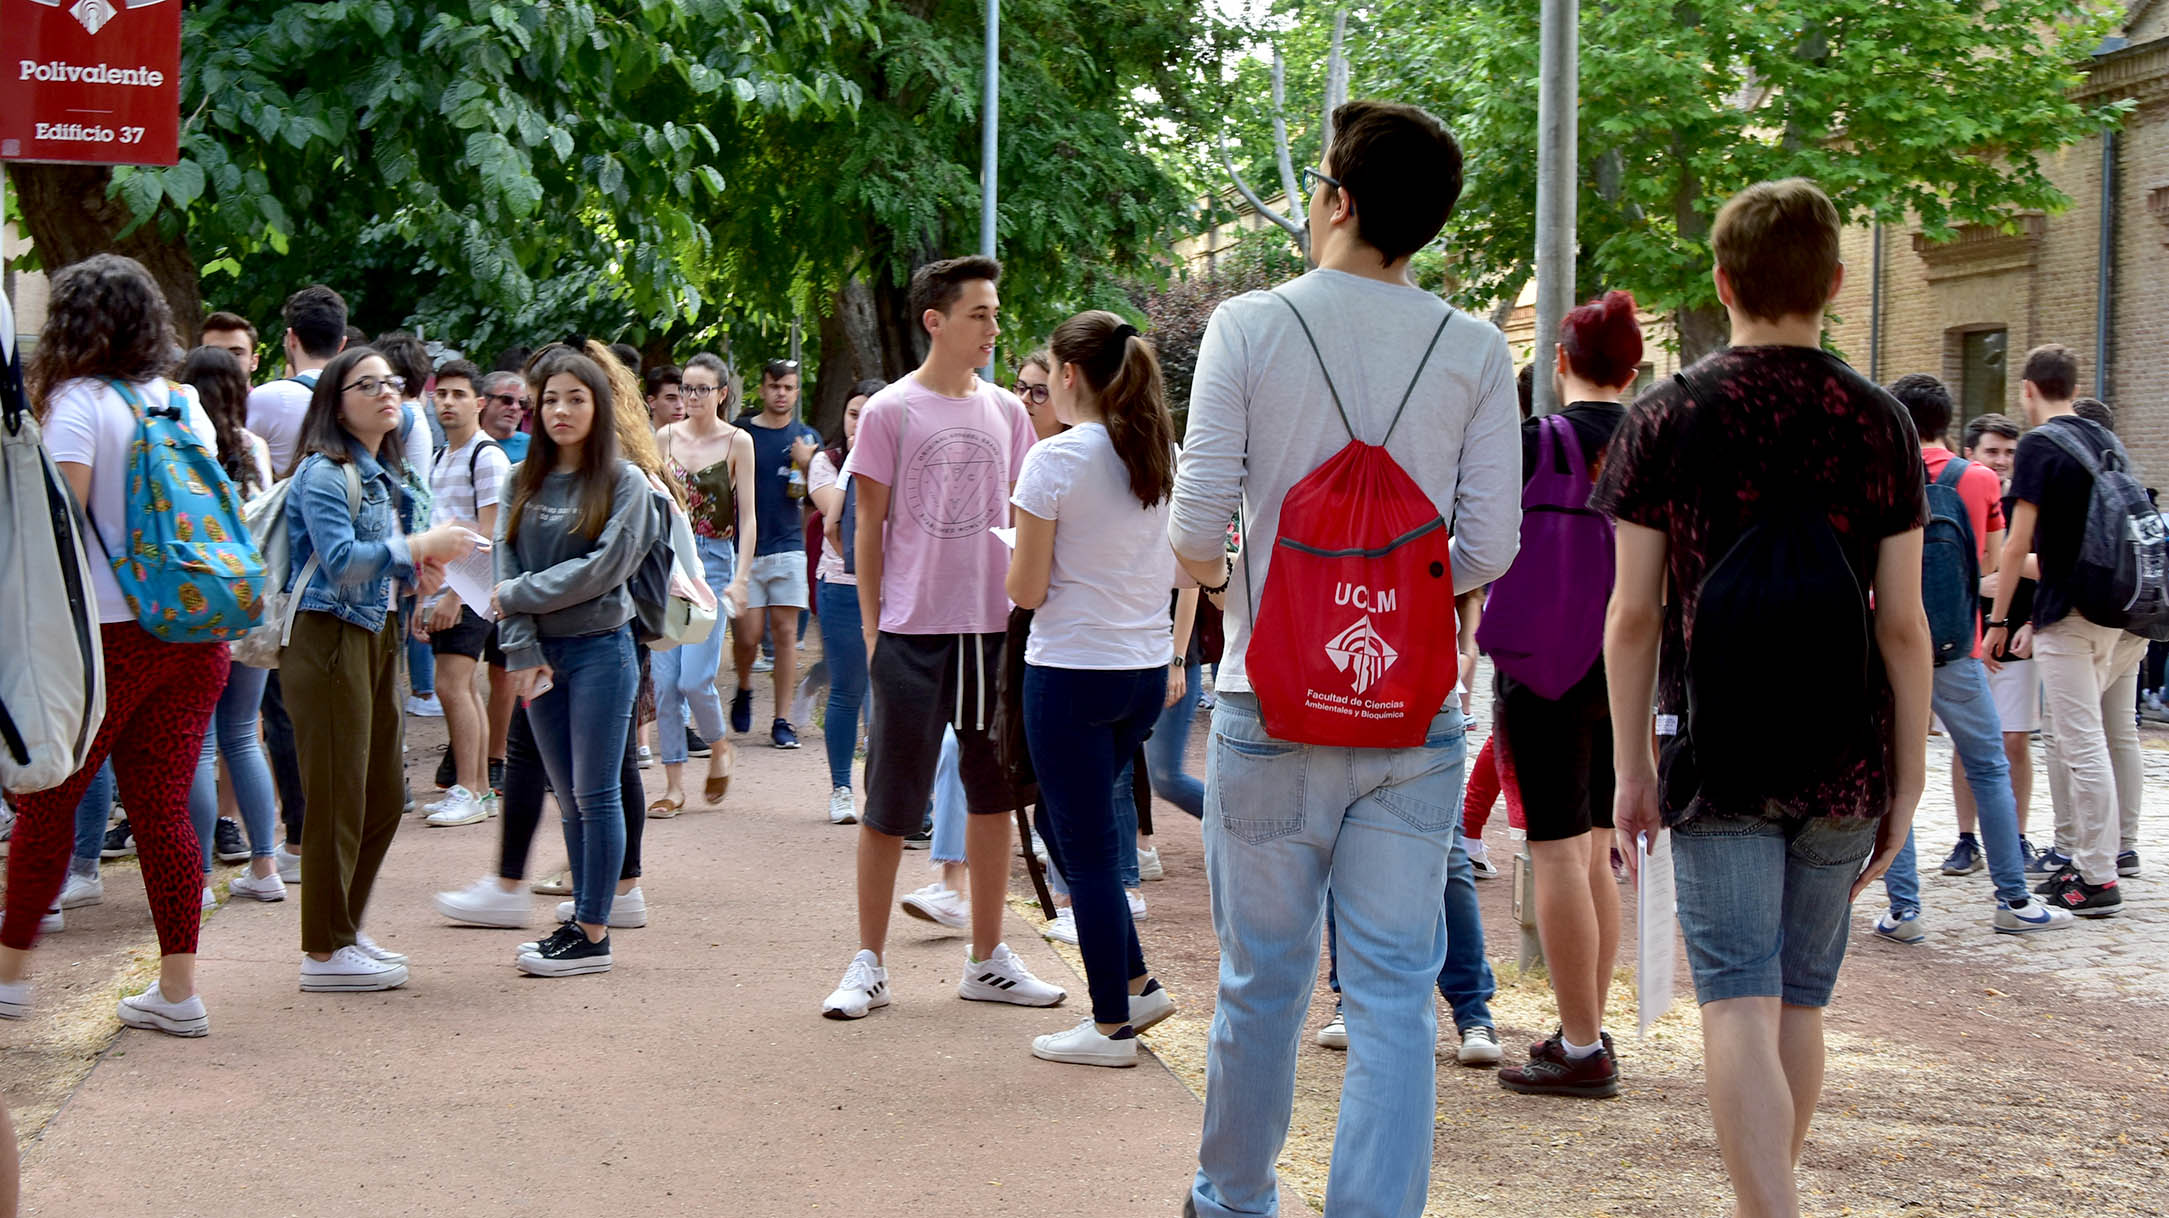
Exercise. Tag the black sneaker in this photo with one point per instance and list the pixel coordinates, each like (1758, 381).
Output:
(742, 711)
(120, 842)
(565, 955)
(227, 843)
(2127, 864)
(497, 776)
(781, 735)
(920, 840)
(2084, 899)
(447, 773)
(2049, 886)
(1551, 1072)
(1965, 857)
(694, 745)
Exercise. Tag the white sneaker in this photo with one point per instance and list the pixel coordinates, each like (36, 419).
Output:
(350, 970)
(627, 912)
(1039, 850)
(15, 999)
(1137, 905)
(483, 903)
(843, 807)
(150, 1009)
(865, 985)
(937, 904)
(425, 707)
(763, 664)
(647, 758)
(81, 890)
(1335, 1034)
(1480, 858)
(1150, 1007)
(1479, 1046)
(2030, 917)
(289, 865)
(269, 888)
(1064, 927)
(52, 923)
(210, 898)
(376, 951)
(1148, 865)
(459, 806)
(1084, 1046)
(1002, 977)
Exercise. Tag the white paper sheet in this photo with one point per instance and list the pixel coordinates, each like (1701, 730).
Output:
(1008, 536)
(1656, 932)
(472, 579)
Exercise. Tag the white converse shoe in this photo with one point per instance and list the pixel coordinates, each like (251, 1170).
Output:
(210, 898)
(247, 884)
(81, 890)
(378, 952)
(483, 903)
(1002, 977)
(289, 865)
(628, 911)
(865, 985)
(843, 807)
(937, 904)
(1084, 1046)
(350, 970)
(150, 1009)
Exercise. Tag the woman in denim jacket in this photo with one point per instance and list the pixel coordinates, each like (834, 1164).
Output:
(340, 667)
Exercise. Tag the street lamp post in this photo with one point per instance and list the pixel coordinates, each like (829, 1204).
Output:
(989, 126)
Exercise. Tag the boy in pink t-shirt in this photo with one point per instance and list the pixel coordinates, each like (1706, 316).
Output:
(934, 465)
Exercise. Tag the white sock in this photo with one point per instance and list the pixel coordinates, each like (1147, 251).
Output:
(1578, 1052)
(1472, 845)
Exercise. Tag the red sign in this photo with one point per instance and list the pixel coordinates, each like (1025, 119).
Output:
(91, 81)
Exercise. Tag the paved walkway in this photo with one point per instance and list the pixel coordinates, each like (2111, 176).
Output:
(697, 1078)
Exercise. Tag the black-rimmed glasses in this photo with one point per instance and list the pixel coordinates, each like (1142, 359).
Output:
(1312, 177)
(371, 386)
(1035, 394)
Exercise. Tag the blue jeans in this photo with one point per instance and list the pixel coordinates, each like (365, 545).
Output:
(1125, 791)
(843, 647)
(1465, 980)
(1080, 725)
(421, 666)
(950, 807)
(1764, 904)
(1961, 700)
(91, 816)
(685, 676)
(1284, 822)
(232, 735)
(1170, 741)
(580, 729)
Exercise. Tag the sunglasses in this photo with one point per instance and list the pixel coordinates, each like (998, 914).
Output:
(1036, 394)
(371, 386)
(507, 399)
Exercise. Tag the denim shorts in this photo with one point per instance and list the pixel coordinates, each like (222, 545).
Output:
(1765, 904)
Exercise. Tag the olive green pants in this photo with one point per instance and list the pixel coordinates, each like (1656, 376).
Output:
(342, 691)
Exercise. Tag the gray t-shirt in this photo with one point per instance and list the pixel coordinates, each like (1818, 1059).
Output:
(561, 583)
(1261, 419)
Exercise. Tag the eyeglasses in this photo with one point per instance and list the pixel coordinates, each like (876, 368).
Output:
(1312, 177)
(371, 386)
(699, 391)
(1035, 394)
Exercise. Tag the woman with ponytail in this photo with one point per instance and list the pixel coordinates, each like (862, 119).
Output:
(1093, 504)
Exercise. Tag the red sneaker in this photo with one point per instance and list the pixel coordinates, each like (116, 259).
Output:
(1551, 1072)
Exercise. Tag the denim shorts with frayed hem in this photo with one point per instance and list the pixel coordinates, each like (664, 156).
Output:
(1765, 904)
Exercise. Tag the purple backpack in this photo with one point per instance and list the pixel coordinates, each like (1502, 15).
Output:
(1544, 619)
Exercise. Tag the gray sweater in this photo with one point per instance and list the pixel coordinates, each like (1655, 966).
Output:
(1261, 420)
(555, 583)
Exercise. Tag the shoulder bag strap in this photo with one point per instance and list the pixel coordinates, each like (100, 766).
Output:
(308, 569)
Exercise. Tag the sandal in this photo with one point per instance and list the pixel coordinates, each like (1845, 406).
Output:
(717, 787)
(559, 885)
(664, 809)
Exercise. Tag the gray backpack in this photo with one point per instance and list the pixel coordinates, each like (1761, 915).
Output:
(2121, 578)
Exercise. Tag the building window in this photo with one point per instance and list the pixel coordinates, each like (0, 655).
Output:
(1983, 359)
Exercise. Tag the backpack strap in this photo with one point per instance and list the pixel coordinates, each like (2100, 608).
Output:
(476, 456)
(1336, 393)
(1953, 470)
(308, 569)
(2097, 461)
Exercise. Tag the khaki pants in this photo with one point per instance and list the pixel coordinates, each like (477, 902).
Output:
(2091, 674)
(342, 690)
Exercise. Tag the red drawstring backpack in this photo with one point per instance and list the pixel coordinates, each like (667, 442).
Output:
(1354, 639)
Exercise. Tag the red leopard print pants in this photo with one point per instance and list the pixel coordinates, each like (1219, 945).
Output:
(158, 700)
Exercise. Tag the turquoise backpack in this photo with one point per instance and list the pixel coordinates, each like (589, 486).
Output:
(190, 571)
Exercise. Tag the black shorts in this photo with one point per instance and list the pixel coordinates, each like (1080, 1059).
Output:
(1560, 754)
(921, 683)
(492, 654)
(464, 638)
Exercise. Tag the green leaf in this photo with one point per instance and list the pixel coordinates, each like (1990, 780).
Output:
(183, 184)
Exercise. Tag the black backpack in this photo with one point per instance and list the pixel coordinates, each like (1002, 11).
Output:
(1784, 582)
(2121, 578)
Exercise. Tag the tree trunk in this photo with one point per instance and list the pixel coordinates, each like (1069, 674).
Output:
(851, 351)
(1702, 328)
(70, 218)
(1701, 331)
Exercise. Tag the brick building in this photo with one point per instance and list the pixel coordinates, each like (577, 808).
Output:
(1968, 309)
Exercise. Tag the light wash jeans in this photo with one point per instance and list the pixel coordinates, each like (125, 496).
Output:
(232, 735)
(580, 729)
(1960, 698)
(950, 808)
(1283, 822)
(90, 820)
(1170, 740)
(1465, 980)
(685, 676)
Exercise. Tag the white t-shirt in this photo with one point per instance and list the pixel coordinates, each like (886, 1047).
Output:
(87, 423)
(275, 413)
(1107, 593)
(820, 477)
(420, 443)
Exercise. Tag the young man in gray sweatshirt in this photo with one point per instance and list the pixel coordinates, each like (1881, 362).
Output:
(1284, 821)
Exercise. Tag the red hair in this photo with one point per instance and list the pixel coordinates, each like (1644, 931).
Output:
(1603, 340)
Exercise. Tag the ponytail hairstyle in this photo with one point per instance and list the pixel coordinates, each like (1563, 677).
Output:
(598, 454)
(634, 425)
(1603, 340)
(1123, 372)
(224, 391)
